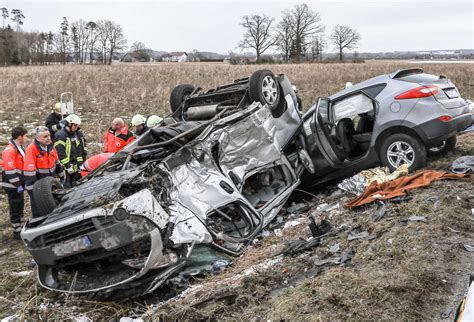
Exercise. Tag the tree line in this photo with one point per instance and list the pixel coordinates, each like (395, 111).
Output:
(299, 34)
(77, 42)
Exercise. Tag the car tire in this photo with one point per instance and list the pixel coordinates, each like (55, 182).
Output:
(179, 94)
(45, 201)
(264, 88)
(448, 145)
(397, 145)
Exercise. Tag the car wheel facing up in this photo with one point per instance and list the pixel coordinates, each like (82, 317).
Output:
(179, 94)
(264, 88)
(400, 149)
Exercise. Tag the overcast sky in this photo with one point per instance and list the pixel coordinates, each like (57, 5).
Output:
(214, 25)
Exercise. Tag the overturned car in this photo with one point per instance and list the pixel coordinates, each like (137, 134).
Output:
(219, 169)
(132, 223)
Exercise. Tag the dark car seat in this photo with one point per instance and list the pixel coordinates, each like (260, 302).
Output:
(344, 132)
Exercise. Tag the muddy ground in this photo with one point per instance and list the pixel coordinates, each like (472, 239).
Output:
(401, 269)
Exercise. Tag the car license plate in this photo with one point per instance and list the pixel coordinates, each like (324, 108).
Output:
(72, 246)
(452, 93)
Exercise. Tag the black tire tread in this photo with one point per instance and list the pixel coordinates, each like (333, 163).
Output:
(43, 195)
(178, 94)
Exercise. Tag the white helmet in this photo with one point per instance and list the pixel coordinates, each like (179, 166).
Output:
(153, 120)
(73, 119)
(138, 120)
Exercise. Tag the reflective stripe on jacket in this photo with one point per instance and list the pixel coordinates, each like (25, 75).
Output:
(12, 164)
(40, 163)
(114, 143)
(70, 148)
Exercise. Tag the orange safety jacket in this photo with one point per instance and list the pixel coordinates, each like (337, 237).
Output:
(12, 164)
(114, 143)
(94, 162)
(40, 163)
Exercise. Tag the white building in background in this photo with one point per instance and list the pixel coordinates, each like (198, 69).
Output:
(177, 57)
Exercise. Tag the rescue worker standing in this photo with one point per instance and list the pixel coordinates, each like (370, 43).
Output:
(41, 160)
(53, 121)
(71, 150)
(117, 136)
(12, 177)
(139, 124)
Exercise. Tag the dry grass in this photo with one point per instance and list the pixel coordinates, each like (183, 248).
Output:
(103, 92)
(397, 280)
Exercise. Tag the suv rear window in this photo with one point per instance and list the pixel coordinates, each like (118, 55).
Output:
(419, 78)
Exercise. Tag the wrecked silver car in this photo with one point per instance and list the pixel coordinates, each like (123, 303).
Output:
(212, 176)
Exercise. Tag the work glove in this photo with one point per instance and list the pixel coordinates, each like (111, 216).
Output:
(62, 124)
(70, 170)
(20, 189)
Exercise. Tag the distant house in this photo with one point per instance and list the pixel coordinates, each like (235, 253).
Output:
(177, 56)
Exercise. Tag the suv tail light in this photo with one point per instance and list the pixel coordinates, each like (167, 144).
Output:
(445, 118)
(419, 92)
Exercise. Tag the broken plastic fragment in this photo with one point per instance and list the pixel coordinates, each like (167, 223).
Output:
(469, 248)
(353, 235)
(418, 218)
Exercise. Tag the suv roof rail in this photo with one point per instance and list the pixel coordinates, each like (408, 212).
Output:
(405, 72)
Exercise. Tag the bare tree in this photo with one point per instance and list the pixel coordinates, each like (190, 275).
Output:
(93, 36)
(305, 24)
(81, 37)
(284, 36)
(4, 15)
(62, 40)
(317, 46)
(117, 39)
(137, 46)
(17, 18)
(344, 37)
(103, 38)
(257, 33)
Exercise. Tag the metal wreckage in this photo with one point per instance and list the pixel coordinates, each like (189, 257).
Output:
(211, 176)
(215, 177)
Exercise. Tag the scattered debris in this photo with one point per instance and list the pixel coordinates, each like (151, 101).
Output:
(297, 280)
(219, 265)
(418, 218)
(20, 274)
(464, 164)
(469, 248)
(292, 223)
(227, 297)
(330, 260)
(453, 230)
(319, 230)
(298, 246)
(334, 248)
(354, 235)
(381, 209)
(298, 208)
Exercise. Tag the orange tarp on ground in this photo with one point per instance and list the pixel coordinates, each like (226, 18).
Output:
(400, 186)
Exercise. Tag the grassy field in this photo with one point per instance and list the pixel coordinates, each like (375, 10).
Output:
(103, 92)
(409, 271)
